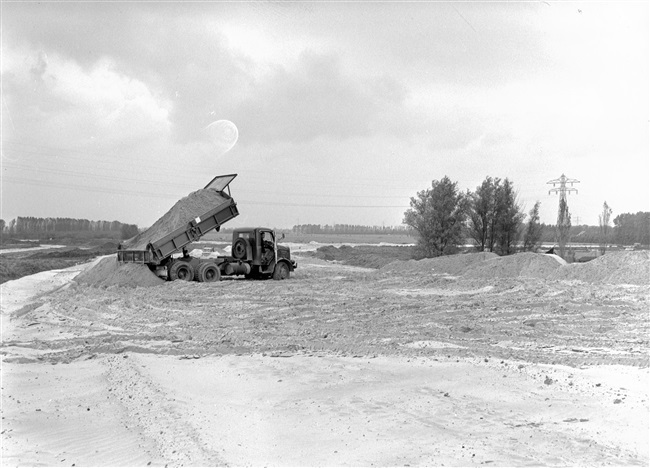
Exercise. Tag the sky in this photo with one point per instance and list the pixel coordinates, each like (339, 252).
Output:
(343, 110)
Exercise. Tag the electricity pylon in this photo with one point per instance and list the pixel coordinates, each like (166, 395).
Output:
(563, 216)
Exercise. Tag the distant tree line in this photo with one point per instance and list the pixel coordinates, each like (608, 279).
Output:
(632, 228)
(443, 217)
(348, 229)
(27, 226)
(628, 229)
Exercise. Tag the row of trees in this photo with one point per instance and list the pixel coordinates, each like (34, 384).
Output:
(491, 216)
(632, 228)
(624, 229)
(27, 226)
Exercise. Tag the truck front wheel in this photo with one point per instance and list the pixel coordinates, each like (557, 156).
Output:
(281, 271)
(181, 271)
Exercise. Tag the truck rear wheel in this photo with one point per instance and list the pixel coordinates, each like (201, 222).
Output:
(281, 271)
(208, 273)
(181, 271)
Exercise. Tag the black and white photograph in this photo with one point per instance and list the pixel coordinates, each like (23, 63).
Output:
(325, 233)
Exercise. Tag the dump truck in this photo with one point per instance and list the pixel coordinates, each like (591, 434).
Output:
(255, 252)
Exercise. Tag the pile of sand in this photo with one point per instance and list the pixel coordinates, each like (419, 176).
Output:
(366, 256)
(448, 265)
(109, 272)
(185, 210)
(621, 267)
(524, 264)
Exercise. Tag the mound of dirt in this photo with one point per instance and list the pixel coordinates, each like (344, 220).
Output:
(448, 265)
(524, 264)
(624, 267)
(184, 211)
(109, 272)
(67, 252)
(621, 267)
(367, 256)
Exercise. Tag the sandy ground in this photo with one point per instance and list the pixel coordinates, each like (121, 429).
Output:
(339, 366)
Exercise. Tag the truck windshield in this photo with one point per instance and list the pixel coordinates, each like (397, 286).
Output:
(220, 183)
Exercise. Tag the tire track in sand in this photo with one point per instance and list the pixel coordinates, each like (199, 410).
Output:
(153, 412)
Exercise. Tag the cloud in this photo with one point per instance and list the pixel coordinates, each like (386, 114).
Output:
(173, 52)
(189, 61)
(507, 89)
(315, 98)
(59, 98)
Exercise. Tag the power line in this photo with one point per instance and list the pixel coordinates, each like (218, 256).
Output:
(171, 196)
(112, 158)
(168, 184)
(83, 188)
(164, 173)
(319, 205)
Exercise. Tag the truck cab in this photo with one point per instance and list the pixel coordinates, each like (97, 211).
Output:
(258, 248)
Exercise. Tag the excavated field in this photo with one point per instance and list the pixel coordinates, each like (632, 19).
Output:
(527, 316)
(526, 306)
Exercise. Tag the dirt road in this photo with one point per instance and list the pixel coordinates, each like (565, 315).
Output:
(338, 366)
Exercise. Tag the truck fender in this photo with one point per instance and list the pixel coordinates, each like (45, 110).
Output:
(282, 270)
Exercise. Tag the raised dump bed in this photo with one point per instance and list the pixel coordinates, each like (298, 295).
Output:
(159, 243)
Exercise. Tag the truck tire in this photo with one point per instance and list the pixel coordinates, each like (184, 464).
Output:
(239, 249)
(208, 273)
(181, 271)
(281, 271)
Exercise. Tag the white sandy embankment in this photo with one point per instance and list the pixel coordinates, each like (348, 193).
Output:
(23, 294)
(132, 410)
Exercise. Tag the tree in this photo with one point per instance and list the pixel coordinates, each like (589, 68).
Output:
(508, 218)
(563, 227)
(632, 228)
(533, 234)
(128, 231)
(495, 216)
(481, 215)
(437, 215)
(603, 222)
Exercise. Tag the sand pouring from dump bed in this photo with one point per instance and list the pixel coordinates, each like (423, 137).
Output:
(109, 272)
(184, 211)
